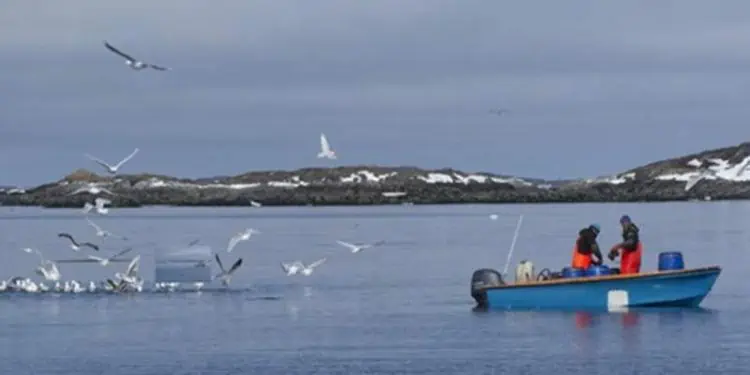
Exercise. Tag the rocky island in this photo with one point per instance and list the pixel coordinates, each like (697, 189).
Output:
(723, 172)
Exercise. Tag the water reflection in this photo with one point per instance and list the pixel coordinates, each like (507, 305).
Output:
(586, 319)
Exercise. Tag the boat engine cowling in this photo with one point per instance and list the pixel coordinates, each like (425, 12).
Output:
(481, 279)
(525, 272)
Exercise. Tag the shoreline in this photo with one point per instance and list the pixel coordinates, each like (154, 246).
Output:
(328, 196)
(721, 174)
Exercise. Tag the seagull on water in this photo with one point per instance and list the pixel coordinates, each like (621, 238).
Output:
(75, 245)
(255, 203)
(357, 248)
(101, 232)
(47, 268)
(112, 169)
(132, 62)
(226, 275)
(239, 237)
(325, 148)
(299, 267)
(93, 189)
(130, 279)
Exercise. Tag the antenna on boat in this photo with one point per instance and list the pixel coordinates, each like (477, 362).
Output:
(513, 244)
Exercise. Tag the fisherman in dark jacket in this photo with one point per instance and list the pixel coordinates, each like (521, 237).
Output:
(586, 251)
(630, 249)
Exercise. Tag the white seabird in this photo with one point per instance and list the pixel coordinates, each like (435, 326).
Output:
(299, 267)
(47, 268)
(292, 268)
(93, 189)
(130, 279)
(132, 62)
(112, 169)
(357, 248)
(99, 204)
(101, 232)
(105, 261)
(325, 148)
(226, 275)
(239, 237)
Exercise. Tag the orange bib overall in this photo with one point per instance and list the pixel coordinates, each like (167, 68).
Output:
(582, 261)
(630, 261)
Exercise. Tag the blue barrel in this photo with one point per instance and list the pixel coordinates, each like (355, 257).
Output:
(671, 260)
(598, 271)
(570, 272)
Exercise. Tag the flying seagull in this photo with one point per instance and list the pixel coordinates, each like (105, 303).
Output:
(242, 236)
(75, 245)
(105, 261)
(226, 275)
(299, 267)
(92, 189)
(101, 232)
(132, 62)
(99, 204)
(357, 248)
(325, 148)
(112, 169)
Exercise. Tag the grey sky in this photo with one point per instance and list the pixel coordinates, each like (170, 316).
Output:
(389, 82)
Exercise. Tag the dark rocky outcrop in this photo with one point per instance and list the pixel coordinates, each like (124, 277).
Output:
(370, 185)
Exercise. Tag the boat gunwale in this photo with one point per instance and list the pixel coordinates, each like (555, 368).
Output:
(603, 278)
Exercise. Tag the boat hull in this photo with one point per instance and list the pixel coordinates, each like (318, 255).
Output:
(682, 288)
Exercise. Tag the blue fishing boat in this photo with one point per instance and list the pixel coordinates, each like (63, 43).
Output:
(599, 289)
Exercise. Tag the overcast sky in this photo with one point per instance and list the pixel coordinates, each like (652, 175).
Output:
(592, 87)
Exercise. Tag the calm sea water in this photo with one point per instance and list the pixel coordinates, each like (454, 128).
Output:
(403, 308)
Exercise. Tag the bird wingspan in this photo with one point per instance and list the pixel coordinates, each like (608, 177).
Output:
(99, 161)
(324, 145)
(117, 51)
(346, 244)
(133, 266)
(125, 160)
(317, 263)
(91, 245)
(284, 267)
(218, 261)
(91, 223)
(125, 251)
(235, 266)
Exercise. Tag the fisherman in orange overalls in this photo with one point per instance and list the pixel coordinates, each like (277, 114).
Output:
(586, 251)
(630, 249)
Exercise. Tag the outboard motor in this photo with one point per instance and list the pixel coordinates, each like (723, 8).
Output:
(481, 279)
(525, 272)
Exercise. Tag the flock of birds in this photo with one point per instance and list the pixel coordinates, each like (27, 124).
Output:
(129, 280)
